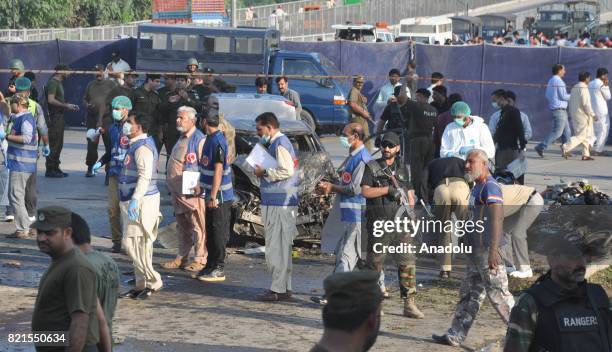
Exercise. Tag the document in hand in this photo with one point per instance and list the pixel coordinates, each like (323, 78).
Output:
(190, 180)
(260, 157)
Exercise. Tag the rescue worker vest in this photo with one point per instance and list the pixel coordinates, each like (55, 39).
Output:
(119, 147)
(32, 107)
(569, 322)
(191, 156)
(207, 167)
(352, 207)
(284, 192)
(23, 157)
(129, 173)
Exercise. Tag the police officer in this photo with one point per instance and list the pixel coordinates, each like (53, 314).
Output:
(147, 102)
(561, 311)
(216, 183)
(218, 83)
(192, 65)
(17, 70)
(118, 146)
(203, 90)
(389, 195)
(171, 102)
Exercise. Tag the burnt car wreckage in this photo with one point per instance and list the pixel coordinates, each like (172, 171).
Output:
(314, 165)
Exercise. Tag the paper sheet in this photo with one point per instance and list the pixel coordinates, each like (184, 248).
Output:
(259, 156)
(190, 180)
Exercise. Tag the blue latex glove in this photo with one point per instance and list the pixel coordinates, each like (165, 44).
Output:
(465, 149)
(96, 167)
(133, 210)
(46, 151)
(2, 134)
(450, 154)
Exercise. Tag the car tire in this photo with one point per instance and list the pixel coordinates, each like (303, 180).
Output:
(306, 117)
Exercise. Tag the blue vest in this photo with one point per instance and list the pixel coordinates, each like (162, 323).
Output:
(207, 167)
(352, 207)
(22, 157)
(285, 192)
(129, 173)
(191, 156)
(119, 146)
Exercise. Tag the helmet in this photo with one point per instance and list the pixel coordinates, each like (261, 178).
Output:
(192, 61)
(17, 64)
(120, 102)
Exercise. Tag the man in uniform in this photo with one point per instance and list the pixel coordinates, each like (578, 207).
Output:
(56, 105)
(486, 273)
(216, 183)
(94, 97)
(352, 203)
(387, 189)
(351, 317)
(59, 309)
(188, 208)
(203, 90)
(107, 273)
(22, 155)
(17, 70)
(283, 87)
(421, 119)
(113, 159)
(180, 96)
(216, 82)
(140, 214)
(357, 104)
(561, 311)
(146, 102)
(23, 86)
(192, 65)
(279, 200)
(443, 182)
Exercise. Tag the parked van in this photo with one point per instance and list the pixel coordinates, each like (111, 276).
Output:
(426, 30)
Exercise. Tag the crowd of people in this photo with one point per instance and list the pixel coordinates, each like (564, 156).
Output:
(434, 150)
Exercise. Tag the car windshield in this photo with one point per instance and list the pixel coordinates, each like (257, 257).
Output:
(553, 16)
(328, 65)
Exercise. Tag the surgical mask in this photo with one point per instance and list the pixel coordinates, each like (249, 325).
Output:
(495, 105)
(264, 139)
(127, 129)
(460, 122)
(345, 142)
(117, 115)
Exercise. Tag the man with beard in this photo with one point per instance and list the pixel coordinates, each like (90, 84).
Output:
(485, 272)
(351, 317)
(386, 186)
(557, 312)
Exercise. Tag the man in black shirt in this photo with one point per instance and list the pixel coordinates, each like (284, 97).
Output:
(440, 102)
(389, 195)
(421, 119)
(509, 135)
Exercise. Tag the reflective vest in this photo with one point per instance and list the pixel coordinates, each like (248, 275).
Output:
(191, 156)
(22, 157)
(32, 108)
(284, 192)
(129, 173)
(119, 147)
(568, 322)
(352, 207)
(207, 168)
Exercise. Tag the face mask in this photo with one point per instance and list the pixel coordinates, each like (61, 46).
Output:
(460, 122)
(264, 139)
(127, 129)
(344, 142)
(495, 105)
(117, 115)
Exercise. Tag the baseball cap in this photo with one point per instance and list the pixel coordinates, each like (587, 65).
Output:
(391, 137)
(52, 217)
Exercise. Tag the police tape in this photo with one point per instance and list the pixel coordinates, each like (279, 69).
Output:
(288, 76)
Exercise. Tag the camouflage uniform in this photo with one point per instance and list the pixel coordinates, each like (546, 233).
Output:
(522, 324)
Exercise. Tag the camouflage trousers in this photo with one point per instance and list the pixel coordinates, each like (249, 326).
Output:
(479, 282)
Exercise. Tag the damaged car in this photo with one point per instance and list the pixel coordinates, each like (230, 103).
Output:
(314, 165)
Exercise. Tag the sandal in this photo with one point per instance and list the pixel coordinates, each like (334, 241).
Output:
(173, 264)
(194, 267)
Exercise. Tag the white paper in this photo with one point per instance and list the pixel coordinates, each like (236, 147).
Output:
(190, 181)
(260, 157)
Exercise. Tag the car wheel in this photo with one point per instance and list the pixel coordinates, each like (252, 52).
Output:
(306, 117)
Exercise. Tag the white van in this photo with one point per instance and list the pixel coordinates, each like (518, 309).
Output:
(426, 30)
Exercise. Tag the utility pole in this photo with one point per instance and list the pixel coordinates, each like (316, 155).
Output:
(234, 15)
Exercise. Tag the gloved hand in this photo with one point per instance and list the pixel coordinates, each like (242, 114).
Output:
(46, 151)
(120, 157)
(394, 193)
(2, 134)
(96, 167)
(463, 150)
(133, 210)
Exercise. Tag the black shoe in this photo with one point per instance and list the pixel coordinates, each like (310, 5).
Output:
(319, 300)
(145, 294)
(540, 151)
(64, 174)
(216, 275)
(116, 248)
(90, 172)
(54, 174)
(207, 270)
(132, 294)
